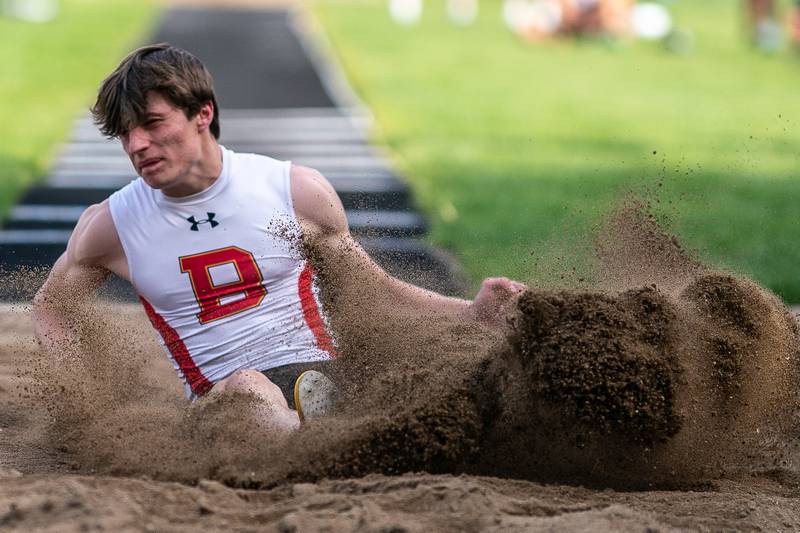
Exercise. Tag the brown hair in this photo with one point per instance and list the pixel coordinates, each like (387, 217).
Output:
(173, 72)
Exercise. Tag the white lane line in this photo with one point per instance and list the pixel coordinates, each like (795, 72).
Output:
(34, 236)
(123, 164)
(356, 218)
(280, 112)
(379, 219)
(107, 180)
(248, 123)
(258, 136)
(86, 149)
(48, 213)
(68, 179)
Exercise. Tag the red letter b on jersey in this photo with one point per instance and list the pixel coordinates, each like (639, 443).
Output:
(225, 299)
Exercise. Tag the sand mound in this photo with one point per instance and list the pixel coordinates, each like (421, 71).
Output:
(608, 361)
(642, 388)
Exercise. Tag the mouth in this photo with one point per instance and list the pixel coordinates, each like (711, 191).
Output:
(149, 164)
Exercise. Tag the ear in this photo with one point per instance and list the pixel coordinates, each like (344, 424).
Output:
(205, 116)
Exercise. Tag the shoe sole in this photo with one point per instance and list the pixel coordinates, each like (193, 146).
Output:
(313, 395)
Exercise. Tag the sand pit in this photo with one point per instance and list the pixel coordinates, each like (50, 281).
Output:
(662, 397)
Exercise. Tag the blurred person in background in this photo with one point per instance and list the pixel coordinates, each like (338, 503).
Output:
(794, 25)
(762, 21)
(542, 19)
(597, 17)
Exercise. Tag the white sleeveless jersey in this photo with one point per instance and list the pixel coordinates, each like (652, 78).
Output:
(219, 273)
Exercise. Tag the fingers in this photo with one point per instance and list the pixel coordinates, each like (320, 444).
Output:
(504, 285)
(496, 295)
(518, 287)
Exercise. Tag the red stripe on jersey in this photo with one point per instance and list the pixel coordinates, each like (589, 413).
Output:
(311, 311)
(194, 377)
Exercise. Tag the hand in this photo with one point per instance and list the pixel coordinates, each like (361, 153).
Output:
(494, 298)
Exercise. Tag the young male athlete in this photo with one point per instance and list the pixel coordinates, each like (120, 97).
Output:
(197, 235)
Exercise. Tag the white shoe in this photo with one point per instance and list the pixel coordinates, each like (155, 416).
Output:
(314, 395)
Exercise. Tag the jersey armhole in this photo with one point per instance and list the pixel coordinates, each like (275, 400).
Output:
(115, 218)
(293, 213)
(289, 196)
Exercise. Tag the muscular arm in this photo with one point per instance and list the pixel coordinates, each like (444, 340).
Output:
(93, 253)
(325, 230)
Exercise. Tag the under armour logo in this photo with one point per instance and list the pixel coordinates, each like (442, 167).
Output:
(209, 220)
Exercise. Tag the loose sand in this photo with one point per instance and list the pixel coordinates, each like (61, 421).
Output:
(660, 397)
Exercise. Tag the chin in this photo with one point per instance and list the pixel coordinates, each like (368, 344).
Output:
(159, 181)
(153, 183)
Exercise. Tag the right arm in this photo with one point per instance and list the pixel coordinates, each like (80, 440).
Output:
(94, 251)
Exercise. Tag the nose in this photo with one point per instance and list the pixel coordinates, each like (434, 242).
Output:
(135, 140)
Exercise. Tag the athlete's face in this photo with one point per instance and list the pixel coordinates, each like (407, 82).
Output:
(167, 146)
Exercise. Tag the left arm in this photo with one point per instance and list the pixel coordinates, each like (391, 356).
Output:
(326, 233)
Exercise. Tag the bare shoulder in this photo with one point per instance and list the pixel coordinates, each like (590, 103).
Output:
(95, 241)
(315, 201)
(309, 186)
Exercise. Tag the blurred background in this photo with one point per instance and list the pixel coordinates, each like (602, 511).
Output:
(518, 123)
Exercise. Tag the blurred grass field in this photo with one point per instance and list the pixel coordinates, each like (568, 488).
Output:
(49, 75)
(513, 148)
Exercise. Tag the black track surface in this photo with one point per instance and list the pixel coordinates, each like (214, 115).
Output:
(255, 58)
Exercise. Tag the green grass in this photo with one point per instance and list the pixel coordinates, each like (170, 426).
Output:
(508, 144)
(49, 75)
